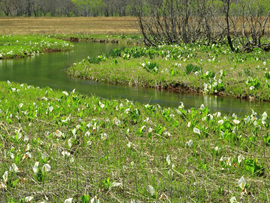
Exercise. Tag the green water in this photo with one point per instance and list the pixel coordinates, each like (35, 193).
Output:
(50, 70)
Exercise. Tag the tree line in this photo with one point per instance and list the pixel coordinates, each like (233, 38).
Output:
(236, 22)
(70, 8)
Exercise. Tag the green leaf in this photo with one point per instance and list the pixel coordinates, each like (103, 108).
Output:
(15, 182)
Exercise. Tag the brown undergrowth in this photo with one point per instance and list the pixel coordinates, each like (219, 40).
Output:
(69, 25)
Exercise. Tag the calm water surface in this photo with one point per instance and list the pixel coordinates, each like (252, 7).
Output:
(50, 70)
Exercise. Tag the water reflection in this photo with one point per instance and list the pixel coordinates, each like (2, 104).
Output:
(50, 70)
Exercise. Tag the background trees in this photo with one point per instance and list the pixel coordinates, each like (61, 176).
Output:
(37, 8)
(208, 21)
(66, 7)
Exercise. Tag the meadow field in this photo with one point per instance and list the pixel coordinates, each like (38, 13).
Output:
(59, 146)
(71, 25)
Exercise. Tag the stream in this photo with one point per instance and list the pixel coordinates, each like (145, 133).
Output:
(50, 70)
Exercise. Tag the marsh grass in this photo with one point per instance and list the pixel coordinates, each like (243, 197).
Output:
(120, 151)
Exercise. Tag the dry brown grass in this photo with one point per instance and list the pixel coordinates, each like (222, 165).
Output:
(71, 25)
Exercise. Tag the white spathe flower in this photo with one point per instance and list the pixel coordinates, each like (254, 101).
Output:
(28, 199)
(59, 134)
(87, 134)
(20, 105)
(104, 136)
(255, 123)
(218, 114)
(151, 190)
(197, 131)
(11, 155)
(264, 118)
(240, 158)
(35, 168)
(27, 155)
(202, 107)
(182, 106)
(3, 186)
(46, 168)
(163, 196)
(68, 200)
(95, 200)
(229, 162)
(189, 124)
(116, 121)
(115, 184)
(71, 160)
(70, 142)
(26, 138)
(51, 108)
(221, 122)
(14, 168)
(247, 119)
(264, 115)
(101, 105)
(127, 111)
(233, 200)
(236, 122)
(252, 88)
(168, 159)
(129, 144)
(189, 143)
(65, 93)
(74, 131)
(216, 148)
(5, 176)
(28, 147)
(242, 182)
(65, 153)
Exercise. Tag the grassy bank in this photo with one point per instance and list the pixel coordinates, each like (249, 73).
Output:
(24, 46)
(196, 68)
(56, 145)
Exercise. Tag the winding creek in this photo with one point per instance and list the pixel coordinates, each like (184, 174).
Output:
(50, 70)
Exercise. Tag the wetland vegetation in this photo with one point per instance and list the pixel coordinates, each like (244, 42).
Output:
(63, 146)
(66, 147)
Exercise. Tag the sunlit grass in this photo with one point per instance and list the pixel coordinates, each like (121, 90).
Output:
(66, 147)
